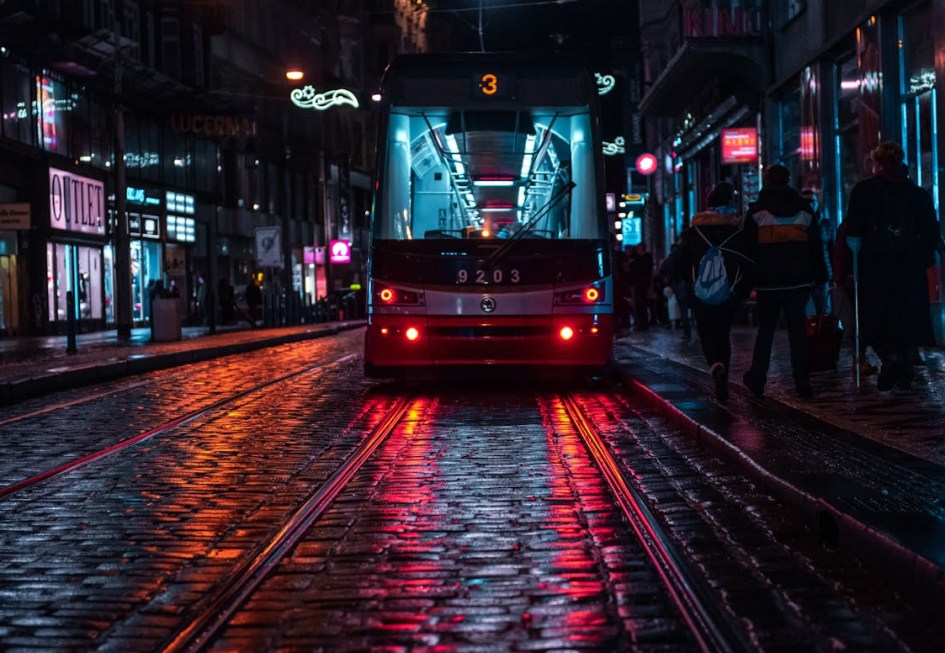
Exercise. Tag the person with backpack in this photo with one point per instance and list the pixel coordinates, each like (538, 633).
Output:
(711, 258)
(784, 239)
(898, 231)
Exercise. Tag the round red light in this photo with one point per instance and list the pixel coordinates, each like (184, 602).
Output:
(646, 164)
(412, 333)
(591, 294)
(386, 295)
(566, 333)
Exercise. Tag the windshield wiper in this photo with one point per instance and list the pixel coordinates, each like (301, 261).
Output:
(503, 249)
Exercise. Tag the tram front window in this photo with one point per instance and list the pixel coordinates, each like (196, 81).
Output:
(472, 174)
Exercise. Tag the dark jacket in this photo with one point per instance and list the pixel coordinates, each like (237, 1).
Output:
(716, 227)
(882, 192)
(784, 240)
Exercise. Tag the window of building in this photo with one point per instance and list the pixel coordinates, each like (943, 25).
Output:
(790, 9)
(846, 127)
(919, 95)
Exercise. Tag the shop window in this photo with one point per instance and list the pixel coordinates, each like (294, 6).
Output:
(846, 128)
(789, 136)
(919, 95)
(77, 269)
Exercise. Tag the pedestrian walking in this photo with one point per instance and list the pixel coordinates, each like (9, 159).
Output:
(784, 240)
(898, 231)
(226, 295)
(254, 299)
(820, 296)
(719, 226)
(681, 288)
(641, 277)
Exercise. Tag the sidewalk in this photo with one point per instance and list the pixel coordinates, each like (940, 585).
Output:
(864, 469)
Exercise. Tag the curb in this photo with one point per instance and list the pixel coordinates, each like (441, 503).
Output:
(898, 565)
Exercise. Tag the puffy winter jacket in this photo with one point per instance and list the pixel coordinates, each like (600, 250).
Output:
(784, 240)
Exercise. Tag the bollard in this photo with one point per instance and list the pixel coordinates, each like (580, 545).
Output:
(70, 311)
(211, 312)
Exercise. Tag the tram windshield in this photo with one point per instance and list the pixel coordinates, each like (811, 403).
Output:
(451, 173)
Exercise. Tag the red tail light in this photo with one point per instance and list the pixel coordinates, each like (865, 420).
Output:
(566, 333)
(588, 295)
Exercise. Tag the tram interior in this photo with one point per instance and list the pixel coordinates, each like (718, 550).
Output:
(488, 174)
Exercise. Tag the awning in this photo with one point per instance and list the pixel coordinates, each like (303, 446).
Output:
(736, 66)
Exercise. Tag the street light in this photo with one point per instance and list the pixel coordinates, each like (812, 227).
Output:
(295, 74)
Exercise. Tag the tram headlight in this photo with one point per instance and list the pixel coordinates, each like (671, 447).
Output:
(389, 295)
(587, 295)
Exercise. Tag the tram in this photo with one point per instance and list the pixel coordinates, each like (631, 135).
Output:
(489, 234)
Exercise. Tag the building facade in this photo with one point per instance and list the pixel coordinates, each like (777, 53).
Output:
(817, 83)
(218, 165)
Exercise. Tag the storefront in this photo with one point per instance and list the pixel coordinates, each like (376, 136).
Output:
(75, 261)
(14, 217)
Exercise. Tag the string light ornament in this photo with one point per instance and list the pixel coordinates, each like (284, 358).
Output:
(605, 83)
(307, 98)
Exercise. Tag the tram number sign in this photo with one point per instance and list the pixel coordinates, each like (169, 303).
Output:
(492, 85)
(488, 276)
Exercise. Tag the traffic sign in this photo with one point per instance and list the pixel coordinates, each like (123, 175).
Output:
(269, 247)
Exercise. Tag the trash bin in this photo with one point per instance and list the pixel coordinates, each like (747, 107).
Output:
(165, 322)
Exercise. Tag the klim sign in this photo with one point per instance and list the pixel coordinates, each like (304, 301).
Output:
(76, 204)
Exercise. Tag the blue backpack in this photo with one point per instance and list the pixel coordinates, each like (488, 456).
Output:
(711, 284)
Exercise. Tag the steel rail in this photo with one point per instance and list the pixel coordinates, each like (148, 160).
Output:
(220, 607)
(150, 433)
(711, 627)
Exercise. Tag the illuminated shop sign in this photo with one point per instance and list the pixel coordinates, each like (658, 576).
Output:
(76, 203)
(181, 229)
(179, 203)
(219, 126)
(307, 98)
(144, 226)
(339, 251)
(739, 145)
(140, 196)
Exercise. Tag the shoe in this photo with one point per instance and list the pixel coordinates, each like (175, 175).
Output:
(720, 376)
(757, 389)
(889, 373)
(804, 391)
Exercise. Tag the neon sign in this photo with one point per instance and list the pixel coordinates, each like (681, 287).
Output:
(339, 251)
(605, 83)
(617, 147)
(307, 98)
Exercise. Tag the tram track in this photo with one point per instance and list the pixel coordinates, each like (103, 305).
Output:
(163, 428)
(711, 627)
(230, 595)
(431, 499)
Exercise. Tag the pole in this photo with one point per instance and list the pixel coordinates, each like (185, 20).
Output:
(122, 242)
(854, 244)
(70, 339)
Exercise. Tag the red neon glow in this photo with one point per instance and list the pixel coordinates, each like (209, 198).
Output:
(386, 295)
(566, 333)
(591, 294)
(412, 333)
